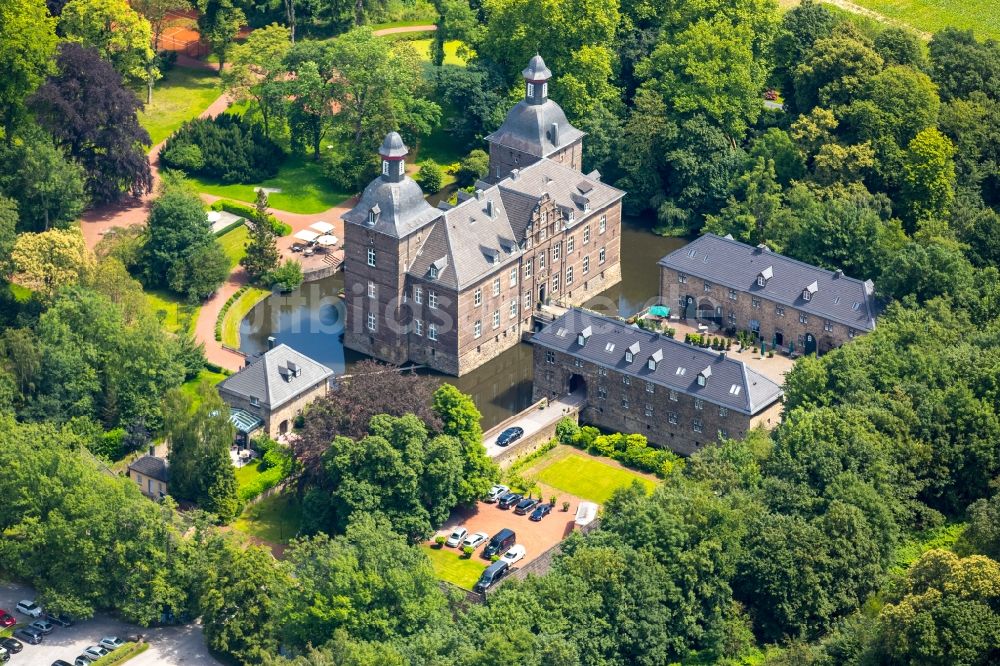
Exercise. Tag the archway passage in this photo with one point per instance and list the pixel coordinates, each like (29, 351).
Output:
(577, 384)
(708, 311)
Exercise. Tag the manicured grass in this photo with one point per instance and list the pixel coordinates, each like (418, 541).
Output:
(451, 566)
(588, 478)
(451, 56)
(933, 15)
(176, 315)
(182, 94)
(190, 387)
(276, 518)
(247, 473)
(304, 188)
(234, 243)
(240, 308)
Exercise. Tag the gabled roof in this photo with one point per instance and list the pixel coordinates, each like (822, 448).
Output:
(730, 263)
(567, 186)
(278, 376)
(729, 382)
(154, 467)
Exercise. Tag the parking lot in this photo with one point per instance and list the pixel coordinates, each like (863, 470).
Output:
(168, 646)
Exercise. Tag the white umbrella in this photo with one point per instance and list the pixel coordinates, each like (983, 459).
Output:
(327, 239)
(307, 235)
(322, 227)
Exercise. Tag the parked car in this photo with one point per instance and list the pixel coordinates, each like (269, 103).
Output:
(29, 635)
(475, 539)
(6, 619)
(513, 555)
(60, 662)
(29, 608)
(525, 506)
(60, 620)
(95, 652)
(501, 542)
(12, 645)
(456, 537)
(509, 500)
(540, 512)
(111, 643)
(83, 660)
(43, 626)
(491, 576)
(496, 492)
(509, 436)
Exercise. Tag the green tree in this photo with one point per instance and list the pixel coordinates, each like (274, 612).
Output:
(962, 65)
(928, 176)
(161, 14)
(286, 276)
(27, 44)
(460, 419)
(120, 34)
(310, 108)
(834, 71)
(258, 71)
(430, 177)
(199, 435)
(8, 234)
(982, 533)
(801, 27)
(752, 208)
(48, 187)
(219, 23)
(50, 260)
(474, 166)
(262, 251)
(900, 46)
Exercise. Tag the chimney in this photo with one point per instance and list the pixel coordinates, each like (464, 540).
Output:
(293, 369)
(555, 133)
(152, 450)
(838, 273)
(479, 195)
(489, 207)
(514, 173)
(270, 342)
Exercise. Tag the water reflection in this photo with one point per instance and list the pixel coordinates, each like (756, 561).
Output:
(310, 320)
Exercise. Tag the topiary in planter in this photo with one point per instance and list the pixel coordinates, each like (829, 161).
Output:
(565, 506)
(439, 541)
(467, 551)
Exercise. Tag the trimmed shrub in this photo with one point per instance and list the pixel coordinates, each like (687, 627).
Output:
(233, 150)
(430, 177)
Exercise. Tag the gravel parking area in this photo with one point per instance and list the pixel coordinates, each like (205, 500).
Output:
(168, 646)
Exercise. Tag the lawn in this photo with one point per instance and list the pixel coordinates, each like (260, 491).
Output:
(175, 315)
(276, 519)
(304, 188)
(182, 94)
(234, 242)
(451, 56)
(449, 565)
(587, 478)
(190, 387)
(247, 473)
(933, 15)
(234, 316)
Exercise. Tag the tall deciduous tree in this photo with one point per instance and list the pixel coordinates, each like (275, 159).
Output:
(92, 115)
(47, 261)
(160, 14)
(460, 419)
(258, 71)
(8, 233)
(48, 187)
(219, 23)
(27, 44)
(118, 33)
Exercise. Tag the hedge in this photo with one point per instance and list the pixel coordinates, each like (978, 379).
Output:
(248, 212)
(227, 148)
(122, 654)
(225, 308)
(631, 450)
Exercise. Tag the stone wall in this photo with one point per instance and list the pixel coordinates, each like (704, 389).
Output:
(529, 444)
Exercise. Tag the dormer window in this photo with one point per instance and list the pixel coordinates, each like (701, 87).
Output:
(373, 215)
(628, 356)
(764, 276)
(654, 358)
(631, 352)
(433, 273)
(704, 375)
(806, 296)
(584, 335)
(808, 292)
(761, 281)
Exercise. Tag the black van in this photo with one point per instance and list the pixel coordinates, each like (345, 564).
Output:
(500, 543)
(491, 576)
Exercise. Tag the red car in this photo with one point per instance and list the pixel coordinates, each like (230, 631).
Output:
(6, 619)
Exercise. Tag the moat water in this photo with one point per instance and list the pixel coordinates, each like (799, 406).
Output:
(310, 320)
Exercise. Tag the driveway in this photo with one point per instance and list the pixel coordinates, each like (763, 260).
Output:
(168, 646)
(532, 420)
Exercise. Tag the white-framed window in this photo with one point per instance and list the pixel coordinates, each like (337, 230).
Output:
(433, 272)
(556, 250)
(372, 290)
(569, 276)
(418, 326)
(432, 299)
(806, 295)
(432, 332)
(603, 372)
(545, 88)
(699, 403)
(400, 167)
(761, 281)
(672, 418)
(513, 308)
(723, 412)
(697, 425)
(372, 323)
(708, 287)
(550, 357)
(555, 282)
(477, 328)
(626, 380)
(527, 268)
(723, 433)
(732, 318)
(570, 245)
(650, 387)
(629, 356)
(602, 393)
(418, 295)
(371, 256)
(649, 409)
(673, 395)
(602, 226)
(601, 256)
(586, 265)
(755, 301)
(681, 278)
(625, 403)
(496, 319)
(513, 276)
(254, 401)
(385, 167)
(541, 260)
(803, 318)
(477, 297)
(732, 294)
(851, 333)
(828, 326)
(496, 286)
(586, 234)
(779, 310)
(531, 89)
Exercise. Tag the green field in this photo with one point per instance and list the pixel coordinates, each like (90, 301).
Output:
(234, 316)
(176, 315)
(304, 188)
(933, 15)
(190, 387)
(451, 56)
(182, 94)
(587, 478)
(275, 519)
(234, 242)
(451, 566)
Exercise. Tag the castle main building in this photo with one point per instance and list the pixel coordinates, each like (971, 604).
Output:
(454, 286)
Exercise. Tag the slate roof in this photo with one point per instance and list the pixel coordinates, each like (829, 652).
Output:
(729, 263)
(269, 380)
(729, 382)
(401, 208)
(528, 128)
(152, 466)
(571, 189)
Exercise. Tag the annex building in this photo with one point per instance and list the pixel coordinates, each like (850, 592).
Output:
(679, 396)
(783, 302)
(454, 286)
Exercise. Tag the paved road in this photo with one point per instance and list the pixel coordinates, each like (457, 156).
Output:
(532, 420)
(168, 646)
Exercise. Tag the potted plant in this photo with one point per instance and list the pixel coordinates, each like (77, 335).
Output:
(467, 551)
(494, 557)
(552, 500)
(565, 506)
(439, 541)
